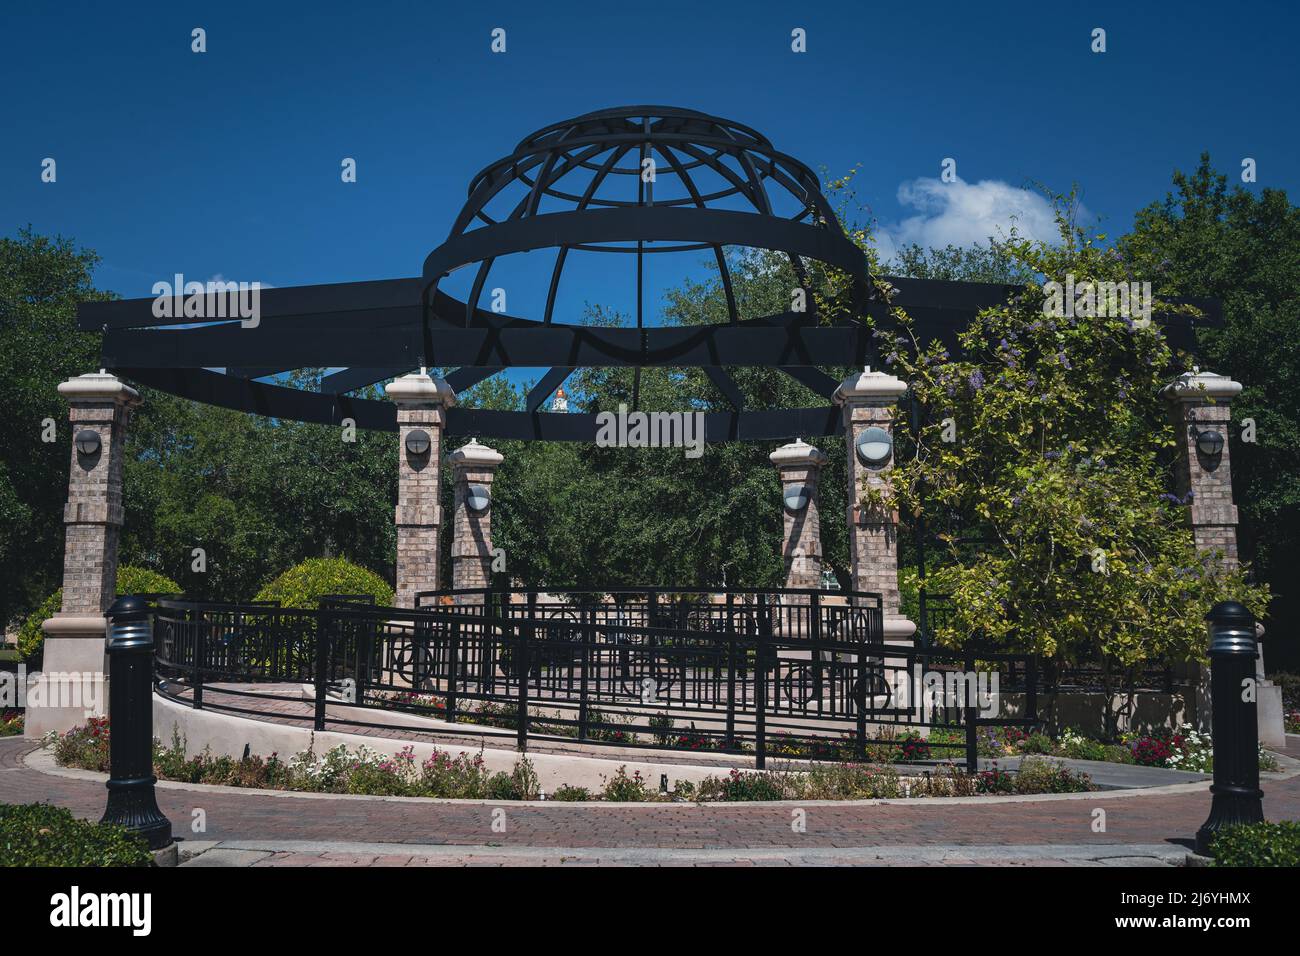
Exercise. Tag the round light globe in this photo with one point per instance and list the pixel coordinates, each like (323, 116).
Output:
(874, 446)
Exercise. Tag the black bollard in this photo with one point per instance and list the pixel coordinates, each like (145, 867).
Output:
(131, 800)
(1236, 794)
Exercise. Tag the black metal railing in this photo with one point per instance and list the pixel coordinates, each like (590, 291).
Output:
(801, 673)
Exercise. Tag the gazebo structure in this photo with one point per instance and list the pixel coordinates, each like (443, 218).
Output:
(634, 181)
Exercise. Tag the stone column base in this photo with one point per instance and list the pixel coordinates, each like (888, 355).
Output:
(73, 684)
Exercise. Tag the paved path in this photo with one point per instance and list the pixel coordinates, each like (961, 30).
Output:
(1151, 818)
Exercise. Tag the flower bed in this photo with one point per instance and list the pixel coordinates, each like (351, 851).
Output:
(365, 771)
(1182, 749)
(11, 723)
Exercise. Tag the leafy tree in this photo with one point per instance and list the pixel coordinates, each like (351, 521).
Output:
(41, 280)
(1243, 249)
(1060, 468)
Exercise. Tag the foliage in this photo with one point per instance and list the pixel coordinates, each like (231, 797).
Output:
(304, 584)
(11, 723)
(622, 788)
(1060, 463)
(570, 794)
(743, 785)
(41, 280)
(1242, 247)
(1036, 775)
(1258, 844)
(38, 834)
(130, 580)
(85, 747)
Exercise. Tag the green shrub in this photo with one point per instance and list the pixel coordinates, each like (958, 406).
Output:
(1046, 776)
(1117, 753)
(568, 794)
(1258, 844)
(130, 580)
(37, 834)
(845, 781)
(743, 785)
(1037, 744)
(622, 788)
(304, 584)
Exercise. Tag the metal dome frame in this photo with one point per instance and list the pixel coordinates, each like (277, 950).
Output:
(374, 331)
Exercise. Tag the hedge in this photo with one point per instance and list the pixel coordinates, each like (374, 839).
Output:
(1258, 844)
(38, 834)
(303, 584)
(130, 580)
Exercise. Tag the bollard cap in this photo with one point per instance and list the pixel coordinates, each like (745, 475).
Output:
(128, 623)
(128, 607)
(1232, 630)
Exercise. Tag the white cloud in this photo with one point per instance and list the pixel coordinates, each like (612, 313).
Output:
(962, 214)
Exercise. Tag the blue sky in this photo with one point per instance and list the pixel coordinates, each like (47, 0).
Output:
(227, 163)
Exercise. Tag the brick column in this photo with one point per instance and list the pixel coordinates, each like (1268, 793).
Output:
(799, 465)
(421, 408)
(100, 408)
(474, 467)
(868, 400)
(1200, 402)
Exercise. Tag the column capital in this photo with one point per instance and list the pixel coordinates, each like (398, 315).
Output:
(869, 388)
(419, 388)
(797, 454)
(96, 388)
(473, 455)
(1197, 386)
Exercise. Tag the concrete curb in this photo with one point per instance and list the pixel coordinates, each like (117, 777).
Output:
(248, 852)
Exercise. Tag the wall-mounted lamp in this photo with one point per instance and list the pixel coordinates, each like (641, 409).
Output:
(796, 497)
(417, 441)
(874, 446)
(87, 441)
(1209, 443)
(478, 497)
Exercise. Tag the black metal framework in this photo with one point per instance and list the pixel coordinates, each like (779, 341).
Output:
(795, 673)
(559, 189)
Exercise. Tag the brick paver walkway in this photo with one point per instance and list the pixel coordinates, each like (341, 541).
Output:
(232, 816)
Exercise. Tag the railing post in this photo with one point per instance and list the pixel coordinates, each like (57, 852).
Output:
(815, 608)
(588, 640)
(864, 671)
(760, 682)
(972, 745)
(322, 666)
(200, 657)
(1031, 687)
(453, 657)
(525, 635)
(1235, 723)
(131, 799)
(731, 673)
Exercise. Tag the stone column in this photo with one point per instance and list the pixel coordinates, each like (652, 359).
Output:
(799, 465)
(100, 408)
(1200, 403)
(422, 403)
(868, 400)
(474, 467)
